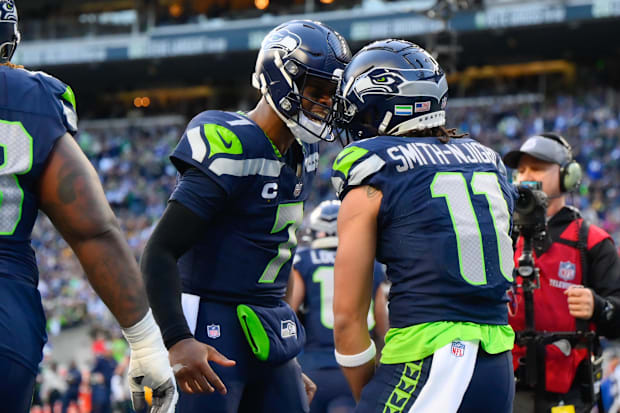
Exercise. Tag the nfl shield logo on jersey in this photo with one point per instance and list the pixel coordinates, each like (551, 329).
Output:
(213, 330)
(566, 271)
(458, 349)
(288, 329)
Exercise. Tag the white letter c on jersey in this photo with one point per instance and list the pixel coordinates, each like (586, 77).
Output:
(270, 190)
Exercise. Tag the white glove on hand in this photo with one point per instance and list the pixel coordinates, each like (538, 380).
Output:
(149, 366)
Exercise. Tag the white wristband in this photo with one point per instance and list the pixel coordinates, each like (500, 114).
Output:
(144, 334)
(356, 360)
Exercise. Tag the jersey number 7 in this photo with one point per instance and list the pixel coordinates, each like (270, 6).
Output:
(291, 216)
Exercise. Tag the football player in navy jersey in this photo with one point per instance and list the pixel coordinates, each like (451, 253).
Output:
(42, 167)
(218, 262)
(435, 208)
(313, 290)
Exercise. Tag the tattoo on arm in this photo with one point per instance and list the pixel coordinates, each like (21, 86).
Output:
(371, 192)
(66, 187)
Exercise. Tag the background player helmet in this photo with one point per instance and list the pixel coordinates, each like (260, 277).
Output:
(323, 224)
(9, 35)
(291, 55)
(391, 87)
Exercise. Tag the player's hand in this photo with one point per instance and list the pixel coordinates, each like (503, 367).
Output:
(580, 302)
(310, 387)
(189, 360)
(149, 366)
(152, 370)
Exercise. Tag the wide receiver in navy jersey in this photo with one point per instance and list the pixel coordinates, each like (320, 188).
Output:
(435, 208)
(231, 226)
(312, 293)
(42, 167)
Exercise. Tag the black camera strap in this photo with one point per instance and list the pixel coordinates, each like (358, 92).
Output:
(582, 245)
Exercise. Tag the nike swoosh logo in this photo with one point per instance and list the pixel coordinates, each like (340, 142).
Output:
(227, 145)
(343, 156)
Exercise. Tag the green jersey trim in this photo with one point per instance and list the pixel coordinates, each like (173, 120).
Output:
(347, 158)
(69, 96)
(414, 343)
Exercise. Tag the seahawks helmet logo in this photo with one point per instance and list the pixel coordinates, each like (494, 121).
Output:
(8, 13)
(377, 81)
(283, 40)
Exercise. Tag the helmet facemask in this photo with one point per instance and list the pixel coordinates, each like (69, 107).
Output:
(303, 109)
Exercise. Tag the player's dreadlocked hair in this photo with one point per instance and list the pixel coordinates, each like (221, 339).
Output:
(12, 65)
(444, 134)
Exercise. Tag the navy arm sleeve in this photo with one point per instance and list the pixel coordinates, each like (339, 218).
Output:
(184, 222)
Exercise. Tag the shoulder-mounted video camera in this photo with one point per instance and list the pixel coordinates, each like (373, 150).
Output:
(531, 210)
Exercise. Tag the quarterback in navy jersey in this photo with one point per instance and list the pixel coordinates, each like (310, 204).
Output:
(218, 263)
(42, 167)
(435, 208)
(312, 295)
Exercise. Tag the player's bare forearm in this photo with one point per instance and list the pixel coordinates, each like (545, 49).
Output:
(351, 337)
(113, 272)
(358, 377)
(72, 197)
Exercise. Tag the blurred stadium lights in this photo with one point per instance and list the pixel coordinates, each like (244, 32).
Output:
(144, 98)
(261, 4)
(142, 102)
(176, 9)
(562, 67)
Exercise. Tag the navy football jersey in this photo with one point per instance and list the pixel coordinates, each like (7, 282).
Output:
(316, 267)
(443, 225)
(246, 256)
(35, 110)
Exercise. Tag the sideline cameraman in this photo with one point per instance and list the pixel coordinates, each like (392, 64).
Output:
(573, 254)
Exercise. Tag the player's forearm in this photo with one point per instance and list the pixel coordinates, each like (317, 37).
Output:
(358, 377)
(163, 287)
(113, 272)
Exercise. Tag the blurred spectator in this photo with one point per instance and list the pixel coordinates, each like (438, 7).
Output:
(121, 399)
(74, 379)
(52, 384)
(101, 382)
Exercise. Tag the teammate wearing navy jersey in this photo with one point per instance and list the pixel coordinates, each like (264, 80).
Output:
(313, 290)
(231, 225)
(42, 167)
(435, 208)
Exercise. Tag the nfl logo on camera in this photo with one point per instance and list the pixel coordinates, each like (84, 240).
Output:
(458, 349)
(213, 330)
(566, 271)
(288, 329)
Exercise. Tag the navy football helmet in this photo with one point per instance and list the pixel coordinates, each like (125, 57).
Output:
(324, 224)
(9, 35)
(391, 87)
(292, 56)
